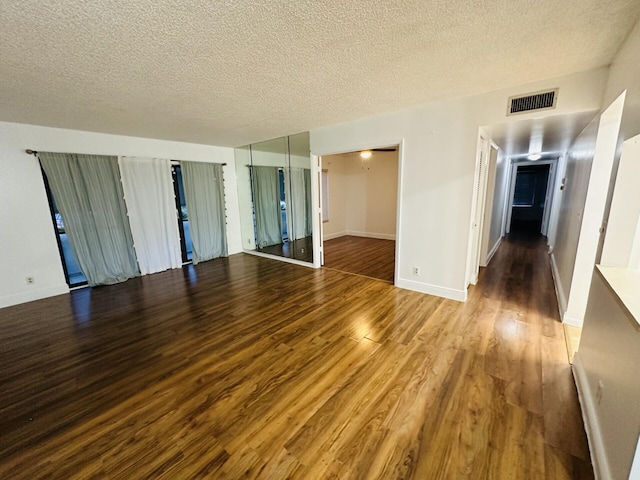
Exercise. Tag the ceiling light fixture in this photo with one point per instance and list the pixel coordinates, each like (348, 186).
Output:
(534, 156)
(365, 154)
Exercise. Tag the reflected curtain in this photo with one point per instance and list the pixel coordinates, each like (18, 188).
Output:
(308, 212)
(266, 200)
(150, 200)
(204, 194)
(297, 201)
(89, 196)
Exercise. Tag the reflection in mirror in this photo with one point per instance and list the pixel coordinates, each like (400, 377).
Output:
(274, 190)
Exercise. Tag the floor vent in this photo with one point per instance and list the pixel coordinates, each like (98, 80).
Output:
(534, 101)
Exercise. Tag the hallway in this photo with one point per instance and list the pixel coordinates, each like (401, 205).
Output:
(251, 368)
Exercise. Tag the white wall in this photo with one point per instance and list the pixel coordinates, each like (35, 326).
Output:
(495, 207)
(363, 195)
(624, 74)
(609, 353)
(338, 188)
(610, 346)
(437, 167)
(570, 201)
(27, 240)
(601, 168)
(245, 205)
(625, 209)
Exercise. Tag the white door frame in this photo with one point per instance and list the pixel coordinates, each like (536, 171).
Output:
(492, 176)
(549, 196)
(483, 154)
(316, 206)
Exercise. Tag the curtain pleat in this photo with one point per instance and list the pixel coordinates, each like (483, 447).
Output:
(266, 199)
(89, 196)
(307, 198)
(297, 203)
(150, 200)
(204, 192)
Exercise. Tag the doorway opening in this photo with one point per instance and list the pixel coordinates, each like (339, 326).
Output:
(529, 204)
(72, 273)
(359, 197)
(186, 245)
(529, 199)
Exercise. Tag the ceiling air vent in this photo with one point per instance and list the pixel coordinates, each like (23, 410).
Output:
(533, 101)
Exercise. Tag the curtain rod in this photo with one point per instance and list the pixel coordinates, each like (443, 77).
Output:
(33, 152)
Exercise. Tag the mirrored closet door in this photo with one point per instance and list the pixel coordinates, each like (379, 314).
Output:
(274, 190)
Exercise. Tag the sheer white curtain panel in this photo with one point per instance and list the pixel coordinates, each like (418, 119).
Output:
(204, 192)
(151, 206)
(88, 193)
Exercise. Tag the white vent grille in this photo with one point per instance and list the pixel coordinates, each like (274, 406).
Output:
(533, 101)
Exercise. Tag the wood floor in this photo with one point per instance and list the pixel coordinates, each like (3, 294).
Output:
(252, 368)
(301, 249)
(370, 257)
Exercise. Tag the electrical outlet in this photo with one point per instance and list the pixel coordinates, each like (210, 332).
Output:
(30, 281)
(416, 271)
(599, 391)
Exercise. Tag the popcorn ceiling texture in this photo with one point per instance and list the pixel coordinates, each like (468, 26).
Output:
(234, 72)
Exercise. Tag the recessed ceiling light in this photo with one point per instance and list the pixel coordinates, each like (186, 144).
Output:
(534, 156)
(366, 154)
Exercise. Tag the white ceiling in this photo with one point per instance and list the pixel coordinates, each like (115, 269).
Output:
(236, 71)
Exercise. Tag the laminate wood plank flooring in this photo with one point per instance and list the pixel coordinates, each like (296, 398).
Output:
(572, 336)
(370, 257)
(301, 249)
(252, 368)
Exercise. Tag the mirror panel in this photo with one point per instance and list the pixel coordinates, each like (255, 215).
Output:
(274, 189)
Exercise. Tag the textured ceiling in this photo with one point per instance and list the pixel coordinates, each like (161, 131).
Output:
(234, 72)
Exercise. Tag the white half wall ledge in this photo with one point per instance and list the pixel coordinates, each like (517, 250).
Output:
(33, 295)
(592, 427)
(436, 290)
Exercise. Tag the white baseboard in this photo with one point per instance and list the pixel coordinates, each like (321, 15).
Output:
(380, 236)
(572, 320)
(331, 236)
(560, 295)
(355, 233)
(493, 251)
(233, 249)
(32, 295)
(438, 291)
(592, 427)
